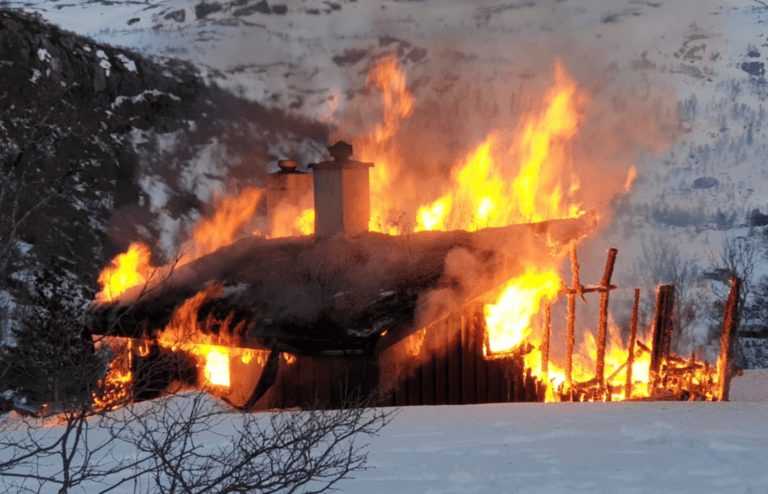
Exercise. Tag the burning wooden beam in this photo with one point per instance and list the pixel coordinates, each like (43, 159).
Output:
(731, 320)
(602, 329)
(632, 338)
(545, 342)
(570, 337)
(661, 332)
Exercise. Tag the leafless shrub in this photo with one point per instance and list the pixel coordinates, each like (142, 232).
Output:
(65, 450)
(188, 444)
(275, 452)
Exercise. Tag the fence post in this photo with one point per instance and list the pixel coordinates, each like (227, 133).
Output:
(602, 326)
(632, 338)
(570, 337)
(731, 319)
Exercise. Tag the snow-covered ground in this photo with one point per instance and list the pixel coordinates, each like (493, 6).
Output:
(661, 447)
(569, 448)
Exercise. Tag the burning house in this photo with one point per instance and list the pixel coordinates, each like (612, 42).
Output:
(457, 307)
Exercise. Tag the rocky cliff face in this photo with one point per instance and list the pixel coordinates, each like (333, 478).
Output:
(88, 132)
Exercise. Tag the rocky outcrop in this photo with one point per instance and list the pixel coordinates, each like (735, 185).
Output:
(71, 109)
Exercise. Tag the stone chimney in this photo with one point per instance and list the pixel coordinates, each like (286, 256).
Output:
(342, 193)
(287, 185)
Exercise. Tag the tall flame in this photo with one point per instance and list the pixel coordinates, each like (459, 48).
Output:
(529, 180)
(379, 146)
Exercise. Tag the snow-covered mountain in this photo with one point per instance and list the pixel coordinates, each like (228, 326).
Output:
(466, 63)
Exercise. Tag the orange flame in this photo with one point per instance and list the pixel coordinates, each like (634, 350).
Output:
(528, 181)
(125, 271)
(185, 333)
(230, 219)
(631, 176)
(289, 221)
(231, 215)
(509, 320)
(378, 145)
(116, 388)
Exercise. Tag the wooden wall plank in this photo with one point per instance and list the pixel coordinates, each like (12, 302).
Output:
(306, 385)
(454, 361)
(494, 381)
(414, 385)
(322, 379)
(468, 371)
(336, 380)
(481, 367)
(441, 363)
(290, 382)
(428, 380)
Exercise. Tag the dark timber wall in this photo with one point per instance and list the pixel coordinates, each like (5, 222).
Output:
(443, 364)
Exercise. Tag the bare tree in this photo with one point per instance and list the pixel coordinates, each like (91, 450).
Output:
(65, 450)
(188, 444)
(737, 258)
(661, 262)
(288, 451)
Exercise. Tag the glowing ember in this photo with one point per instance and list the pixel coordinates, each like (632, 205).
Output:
(125, 271)
(115, 389)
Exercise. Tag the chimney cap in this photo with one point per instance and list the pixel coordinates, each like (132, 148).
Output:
(288, 166)
(341, 151)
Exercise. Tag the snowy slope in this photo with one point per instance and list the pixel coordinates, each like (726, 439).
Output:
(664, 447)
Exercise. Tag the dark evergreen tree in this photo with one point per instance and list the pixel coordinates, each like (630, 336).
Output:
(52, 359)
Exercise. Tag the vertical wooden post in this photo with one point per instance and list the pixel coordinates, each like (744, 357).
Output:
(730, 326)
(669, 326)
(632, 338)
(570, 337)
(656, 333)
(662, 322)
(602, 326)
(545, 343)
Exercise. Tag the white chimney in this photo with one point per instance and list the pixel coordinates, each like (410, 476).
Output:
(342, 193)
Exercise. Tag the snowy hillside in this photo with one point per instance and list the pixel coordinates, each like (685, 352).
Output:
(700, 63)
